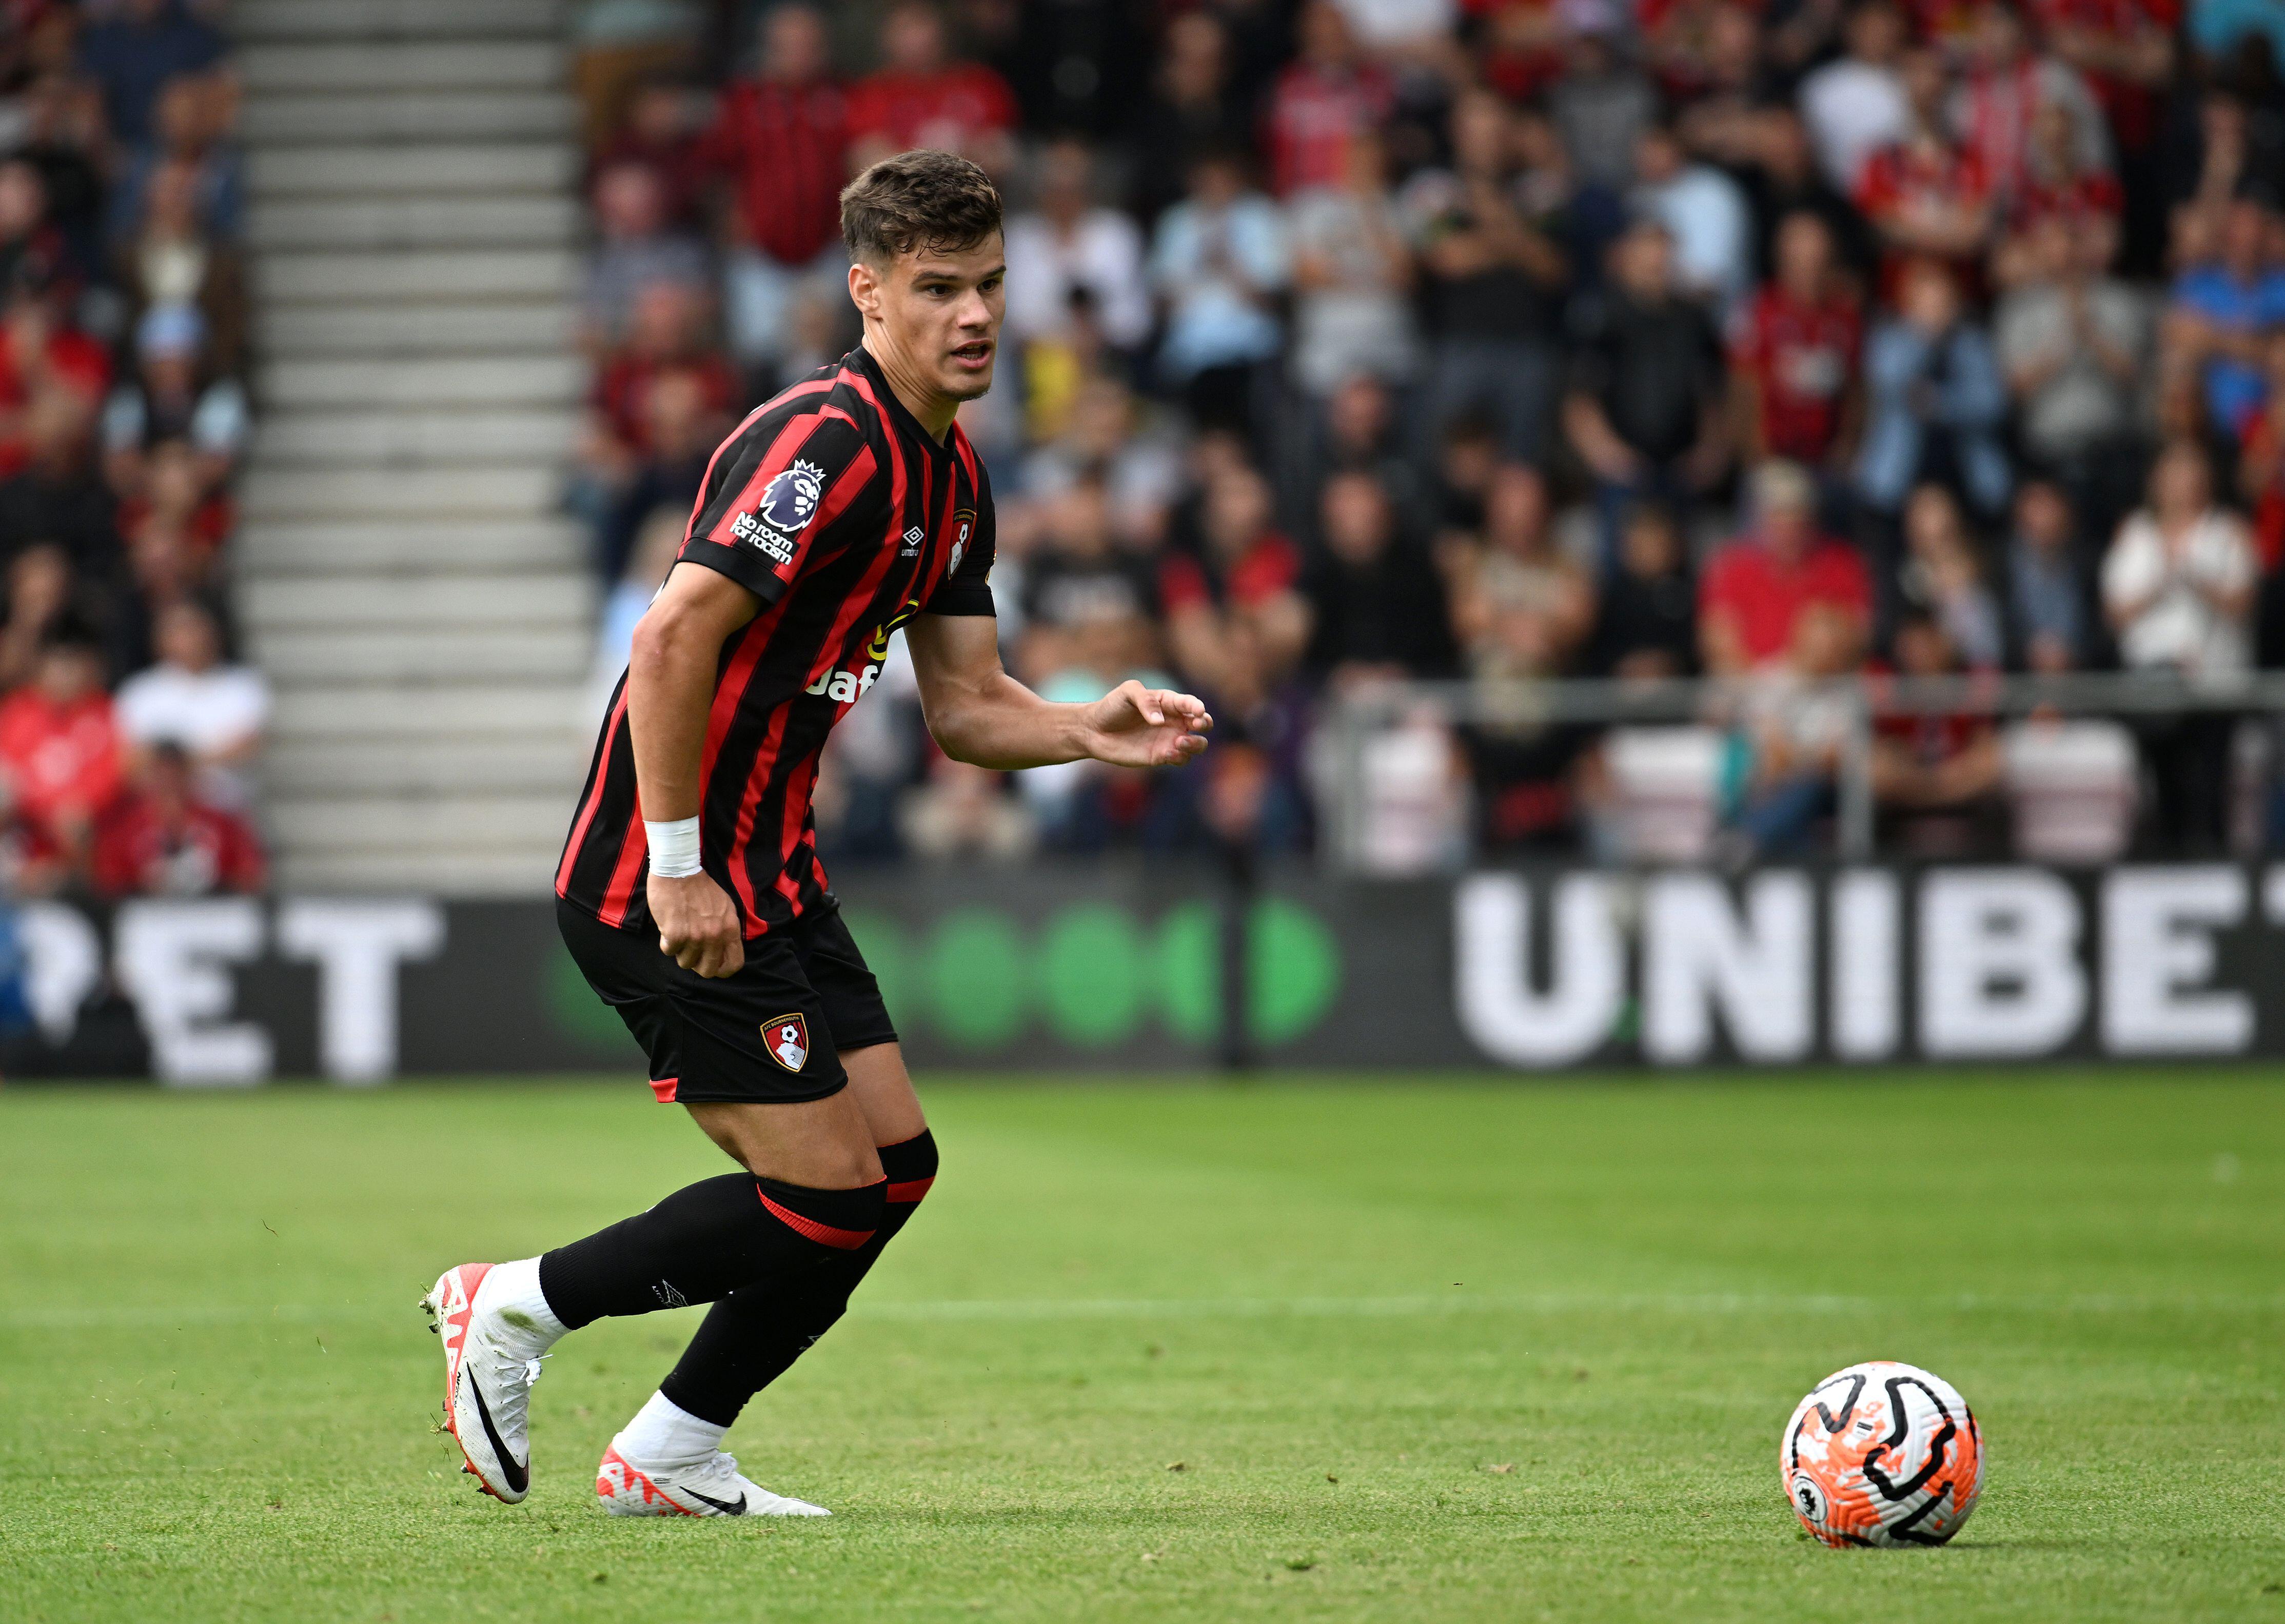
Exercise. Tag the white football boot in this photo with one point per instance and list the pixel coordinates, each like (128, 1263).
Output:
(487, 1386)
(707, 1487)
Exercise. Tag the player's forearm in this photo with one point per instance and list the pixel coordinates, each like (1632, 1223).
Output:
(1001, 725)
(670, 690)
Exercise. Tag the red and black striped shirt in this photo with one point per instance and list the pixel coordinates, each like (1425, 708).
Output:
(834, 507)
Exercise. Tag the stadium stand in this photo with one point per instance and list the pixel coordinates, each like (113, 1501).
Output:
(129, 727)
(1370, 366)
(1469, 346)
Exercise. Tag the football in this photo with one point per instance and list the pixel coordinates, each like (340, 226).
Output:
(1882, 1454)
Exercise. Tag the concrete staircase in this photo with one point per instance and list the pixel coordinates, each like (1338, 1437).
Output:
(421, 607)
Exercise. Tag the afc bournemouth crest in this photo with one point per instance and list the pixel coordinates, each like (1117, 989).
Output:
(792, 497)
(964, 526)
(788, 1037)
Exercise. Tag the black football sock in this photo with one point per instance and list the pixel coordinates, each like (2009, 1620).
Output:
(752, 1336)
(704, 1241)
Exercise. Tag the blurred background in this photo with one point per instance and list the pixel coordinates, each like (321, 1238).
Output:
(1712, 529)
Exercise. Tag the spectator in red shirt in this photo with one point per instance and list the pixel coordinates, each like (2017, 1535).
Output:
(661, 133)
(1795, 352)
(163, 838)
(1319, 102)
(1936, 776)
(1757, 588)
(1926, 194)
(665, 333)
(39, 352)
(2261, 461)
(60, 743)
(2008, 85)
(665, 330)
(2057, 185)
(2125, 49)
(1235, 620)
(781, 143)
(925, 98)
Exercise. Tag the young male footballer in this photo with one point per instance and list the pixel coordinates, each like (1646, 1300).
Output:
(689, 889)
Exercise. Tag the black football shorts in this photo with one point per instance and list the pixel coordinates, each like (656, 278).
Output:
(773, 1034)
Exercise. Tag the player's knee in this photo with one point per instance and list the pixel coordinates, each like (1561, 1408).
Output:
(845, 1220)
(847, 1165)
(910, 1168)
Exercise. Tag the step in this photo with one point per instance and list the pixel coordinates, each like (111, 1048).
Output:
(342, 438)
(554, 765)
(407, 823)
(522, 871)
(276, 118)
(369, 546)
(370, 66)
(365, 20)
(457, 276)
(499, 490)
(514, 221)
(551, 168)
(292, 332)
(505, 380)
(373, 602)
(554, 653)
(321, 714)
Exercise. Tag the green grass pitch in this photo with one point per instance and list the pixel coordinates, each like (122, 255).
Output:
(1409, 1350)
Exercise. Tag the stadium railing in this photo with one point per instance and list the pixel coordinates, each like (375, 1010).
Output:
(2026, 707)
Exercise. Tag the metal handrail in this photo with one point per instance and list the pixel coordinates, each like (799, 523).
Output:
(1865, 699)
(1618, 699)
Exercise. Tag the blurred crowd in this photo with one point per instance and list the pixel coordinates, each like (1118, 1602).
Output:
(1355, 341)
(126, 728)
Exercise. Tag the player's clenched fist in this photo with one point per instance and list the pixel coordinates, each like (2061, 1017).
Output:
(697, 926)
(1136, 726)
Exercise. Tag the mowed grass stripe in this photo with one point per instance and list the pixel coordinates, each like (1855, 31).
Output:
(148, 1317)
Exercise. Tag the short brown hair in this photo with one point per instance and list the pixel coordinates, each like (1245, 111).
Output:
(918, 200)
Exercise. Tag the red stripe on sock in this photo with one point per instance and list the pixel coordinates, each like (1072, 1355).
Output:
(908, 1194)
(824, 1235)
(665, 1087)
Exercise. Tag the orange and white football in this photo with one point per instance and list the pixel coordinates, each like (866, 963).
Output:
(1882, 1454)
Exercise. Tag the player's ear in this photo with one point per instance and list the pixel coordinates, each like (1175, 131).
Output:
(864, 288)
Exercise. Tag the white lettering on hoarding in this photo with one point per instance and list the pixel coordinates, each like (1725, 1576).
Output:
(357, 945)
(2157, 949)
(1498, 1008)
(1999, 967)
(1697, 954)
(173, 959)
(1865, 990)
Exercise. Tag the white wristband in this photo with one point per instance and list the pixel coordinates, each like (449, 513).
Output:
(673, 848)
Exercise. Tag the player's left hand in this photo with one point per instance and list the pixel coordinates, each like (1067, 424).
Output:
(1136, 726)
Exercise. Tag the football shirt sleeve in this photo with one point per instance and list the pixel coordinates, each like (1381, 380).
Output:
(967, 586)
(761, 520)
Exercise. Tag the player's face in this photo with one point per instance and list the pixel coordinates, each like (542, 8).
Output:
(941, 311)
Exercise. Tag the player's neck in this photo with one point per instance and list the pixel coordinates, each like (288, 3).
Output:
(932, 409)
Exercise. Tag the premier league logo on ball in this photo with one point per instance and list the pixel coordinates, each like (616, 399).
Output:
(792, 497)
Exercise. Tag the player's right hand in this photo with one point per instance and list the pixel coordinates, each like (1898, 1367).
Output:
(697, 926)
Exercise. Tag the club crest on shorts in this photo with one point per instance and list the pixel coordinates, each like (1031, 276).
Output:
(788, 1037)
(789, 501)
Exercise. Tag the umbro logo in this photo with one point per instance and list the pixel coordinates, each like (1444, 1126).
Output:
(912, 538)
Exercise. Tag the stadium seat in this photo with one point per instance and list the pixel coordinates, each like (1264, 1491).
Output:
(1665, 791)
(2073, 789)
